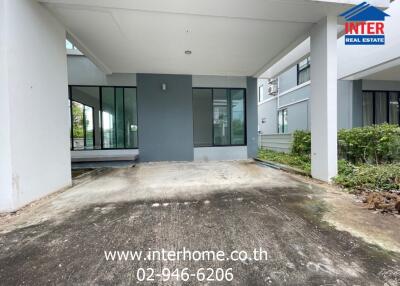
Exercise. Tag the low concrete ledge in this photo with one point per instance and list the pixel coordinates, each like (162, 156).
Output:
(104, 155)
(281, 167)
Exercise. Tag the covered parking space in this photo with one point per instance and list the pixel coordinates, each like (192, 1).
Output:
(198, 206)
(156, 40)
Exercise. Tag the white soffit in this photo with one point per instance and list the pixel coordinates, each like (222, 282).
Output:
(226, 37)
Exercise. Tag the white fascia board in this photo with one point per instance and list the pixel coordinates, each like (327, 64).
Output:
(293, 57)
(373, 70)
(281, 55)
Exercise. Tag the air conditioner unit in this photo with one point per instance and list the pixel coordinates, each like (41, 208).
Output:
(272, 80)
(273, 89)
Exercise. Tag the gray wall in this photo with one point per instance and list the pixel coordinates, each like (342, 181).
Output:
(267, 112)
(297, 104)
(288, 79)
(345, 104)
(219, 81)
(298, 117)
(165, 117)
(381, 85)
(252, 117)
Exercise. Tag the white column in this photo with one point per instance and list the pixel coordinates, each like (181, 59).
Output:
(324, 99)
(34, 132)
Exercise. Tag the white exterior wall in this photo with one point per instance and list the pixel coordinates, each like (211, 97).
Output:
(34, 151)
(5, 142)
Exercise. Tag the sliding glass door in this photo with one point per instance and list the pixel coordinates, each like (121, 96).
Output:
(381, 107)
(219, 117)
(103, 117)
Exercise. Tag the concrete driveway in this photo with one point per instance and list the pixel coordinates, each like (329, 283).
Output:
(233, 207)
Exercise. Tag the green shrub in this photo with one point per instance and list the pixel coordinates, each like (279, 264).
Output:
(376, 144)
(372, 144)
(301, 143)
(369, 177)
(300, 162)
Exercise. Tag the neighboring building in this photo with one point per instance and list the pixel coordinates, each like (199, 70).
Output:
(368, 87)
(360, 103)
(288, 109)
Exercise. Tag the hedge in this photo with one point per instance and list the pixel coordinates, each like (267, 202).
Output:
(376, 144)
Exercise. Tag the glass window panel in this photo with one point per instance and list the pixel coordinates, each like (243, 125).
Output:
(285, 121)
(108, 117)
(202, 117)
(304, 63)
(77, 126)
(380, 107)
(221, 117)
(131, 128)
(304, 75)
(89, 130)
(394, 108)
(368, 108)
(90, 97)
(237, 115)
(280, 122)
(119, 117)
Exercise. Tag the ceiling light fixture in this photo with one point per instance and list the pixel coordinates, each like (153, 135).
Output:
(188, 52)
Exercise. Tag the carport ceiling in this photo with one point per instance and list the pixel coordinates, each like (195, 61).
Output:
(226, 37)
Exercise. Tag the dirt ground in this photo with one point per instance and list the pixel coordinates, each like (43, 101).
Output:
(313, 235)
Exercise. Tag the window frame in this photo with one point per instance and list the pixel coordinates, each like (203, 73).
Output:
(101, 115)
(83, 125)
(387, 92)
(299, 70)
(282, 113)
(229, 115)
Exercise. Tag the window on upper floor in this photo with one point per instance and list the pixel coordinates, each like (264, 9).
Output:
(283, 121)
(260, 93)
(303, 71)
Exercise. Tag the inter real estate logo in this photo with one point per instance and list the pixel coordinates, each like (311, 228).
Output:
(365, 25)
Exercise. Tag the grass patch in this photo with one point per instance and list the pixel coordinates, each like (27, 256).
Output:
(297, 161)
(355, 177)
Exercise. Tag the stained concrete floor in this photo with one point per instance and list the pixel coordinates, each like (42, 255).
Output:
(313, 235)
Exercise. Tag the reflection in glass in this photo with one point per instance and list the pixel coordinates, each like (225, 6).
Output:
(380, 107)
(119, 115)
(89, 130)
(77, 126)
(202, 117)
(237, 117)
(221, 117)
(131, 131)
(89, 97)
(283, 121)
(393, 108)
(368, 112)
(108, 117)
